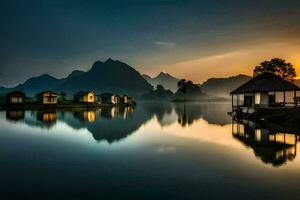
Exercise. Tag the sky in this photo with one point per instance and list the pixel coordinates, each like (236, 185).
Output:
(189, 39)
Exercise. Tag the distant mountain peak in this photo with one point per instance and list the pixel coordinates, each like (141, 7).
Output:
(109, 60)
(164, 79)
(46, 76)
(162, 74)
(146, 76)
(75, 73)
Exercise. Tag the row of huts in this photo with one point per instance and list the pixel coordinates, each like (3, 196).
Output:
(88, 97)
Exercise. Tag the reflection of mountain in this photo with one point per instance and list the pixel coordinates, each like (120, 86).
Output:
(188, 113)
(163, 112)
(271, 147)
(216, 113)
(109, 124)
(119, 126)
(114, 124)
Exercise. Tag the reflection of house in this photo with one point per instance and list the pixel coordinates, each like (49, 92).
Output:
(89, 116)
(15, 115)
(47, 97)
(47, 116)
(270, 147)
(265, 90)
(84, 97)
(15, 97)
(116, 112)
(127, 111)
(86, 115)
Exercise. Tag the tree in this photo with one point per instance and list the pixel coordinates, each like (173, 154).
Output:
(63, 96)
(276, 66)
(183, 85)
(160, 87)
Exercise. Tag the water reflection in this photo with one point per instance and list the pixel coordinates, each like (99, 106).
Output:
(15, 115)
(123, 151)
(272, 146)
(114, 124)
(48, 118)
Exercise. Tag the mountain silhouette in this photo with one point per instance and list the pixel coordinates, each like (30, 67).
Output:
(37, 84)
(159, 95)
(109, 76)
(221, 87)
(75, 73)
(169, 82)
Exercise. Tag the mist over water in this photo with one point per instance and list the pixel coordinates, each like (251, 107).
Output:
(165, 151)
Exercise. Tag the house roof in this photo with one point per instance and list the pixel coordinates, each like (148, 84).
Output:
(48, 91)
(80, 93)
(16, 93)
(264, 83)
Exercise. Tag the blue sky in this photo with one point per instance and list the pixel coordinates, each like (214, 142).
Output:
(59, 36)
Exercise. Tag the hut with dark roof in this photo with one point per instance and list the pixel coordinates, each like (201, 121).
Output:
(15, 97)
(47, 97)
(84, 97)
(265, 90)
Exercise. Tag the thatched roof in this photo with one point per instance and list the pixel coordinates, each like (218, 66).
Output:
(264, 83)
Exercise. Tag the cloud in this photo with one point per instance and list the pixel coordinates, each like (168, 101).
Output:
(165, 44)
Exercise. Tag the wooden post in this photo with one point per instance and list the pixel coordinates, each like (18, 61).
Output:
(284, 98)
(295, 98)
(232, 101)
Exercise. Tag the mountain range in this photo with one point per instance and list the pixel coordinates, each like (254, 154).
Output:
(109, 76)
(168, 81)
(118, 77)
(221, 87)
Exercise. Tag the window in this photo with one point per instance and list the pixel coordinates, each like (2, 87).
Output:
(240, 99)
(257, 98)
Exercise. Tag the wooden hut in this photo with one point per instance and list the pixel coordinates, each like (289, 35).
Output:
(47, 97)
(104, 98)
(84, 97)
(15, 97)
(115, 99)
(108, 98)
(264, 91)
(127, 100)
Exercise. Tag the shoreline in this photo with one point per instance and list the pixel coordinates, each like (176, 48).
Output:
(4, 107)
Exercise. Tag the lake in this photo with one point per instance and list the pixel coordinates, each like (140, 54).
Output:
(154, 151)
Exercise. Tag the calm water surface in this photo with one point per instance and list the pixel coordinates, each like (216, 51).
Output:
(155, 151)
